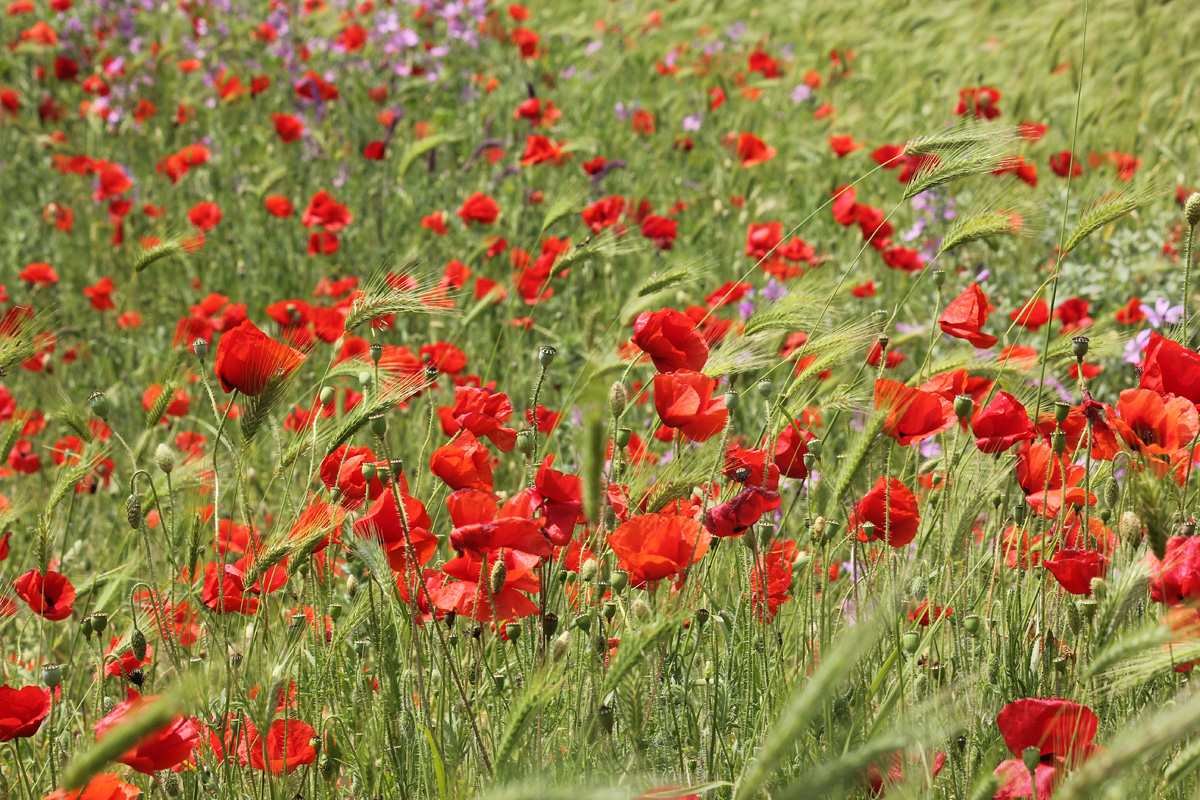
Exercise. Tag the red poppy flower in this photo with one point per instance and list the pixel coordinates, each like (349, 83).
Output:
(22, 711)
(126, 661)
(342, 469)
(978, 100)
(479, 208)
(603, 213)
(762, 238)
(1033, 315)
(892, 508)
(287, 745)
(1065, 163)
(1075, 569)
(843, 144)
(483, 413)
(226, 594)
(662, 230)
(278, 206)
(683, 400)
(652, 547)
(1153, 424)
(1131, 313)
(383, 523)
(178, 407)
(965, 317)
(38, 274)
(1049, 480)
(105, 786)
(877, 782)
(163, 748)
(318, 518)
(775, 570)
(1002, 424)
(248, 360)
(50, 595)
(912, 415)
(434, 222)
(735, 515)
(671, 340)
(752, 151)
(468, 597)
(326, 212)
(1175, 579)
(1061, 730)
(482, 526)
(1171, 368)
(463, 464)
(1073, 314)
(205, 216)
(790, 448)
(288, 127)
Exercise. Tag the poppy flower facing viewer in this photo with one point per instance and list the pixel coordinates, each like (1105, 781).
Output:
(671, 340)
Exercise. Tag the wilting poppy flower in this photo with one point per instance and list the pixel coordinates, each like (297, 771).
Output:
(1002, 424)
(1153, 424)
(383, 523)
(22, 711)
(735, 515)
(912, 415)
(683, 400)
(50, 595)
(163, 748)
(287, 745)
(652, 547)
(105, 786)
(1060, 730)
(752, 151)
(1171, 368)
(965, 316)
(1075, 569)
(463, 464)
(892, 508)
(479, 208)
(248, 359)
(671, 340)
(1175, 579)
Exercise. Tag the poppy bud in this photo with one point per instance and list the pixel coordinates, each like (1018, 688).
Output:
(513, 631)
(327, 395)
(1130, 527)
(587, 571)
(85, 625)
(546, 354)
(1061, 412)
(549, 625)
(911, 642)
(164, 457)
(137, 643)
(732, 399)
(818, 529)
(609, 611)
(352, 586)
(617, 399)
(1099, 588)
(378, 424)
(200, 348)
(1088, 609)
(1079, 346)
(1192, 209)
(1032, 756)
(919, 588)
(1112, 492)
(51, 675)
(369, 471)
(1105, 515)
(971, 623)
(526, 439)
(750, 539)
(561, 646)
(964, 406)
(98, 403)
(133, 511)
(997, 499)
(939, 278)
(1019, 513)
(619, 580)
(815, 447)
(498, 576)
(641, 610)
(1074, 618)
(764, 387)
(606, 716)
(172, 783)
(376, 352)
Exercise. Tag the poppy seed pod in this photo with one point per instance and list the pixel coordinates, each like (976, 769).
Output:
(326, 395)
(376, 352)
(98, 403)
(52, 675)
(1031, 757)
(1019, 512)
(964, 406)
(765, 387)
(99, 621)
(549, 625)
(911, 642)
(619, 580)
(617, 399)
(939, 278)
(815, 447)
(431, 373)
(1079, 346)
(513, 631)
(810, 461)
(369, 471)
(883, 341)
(334, 610)
(1061, 412)
(701, 618)
(584, 622)
(732, 399)
(546, 354)
(365, 379)
(200, 348)
(137, 643)
(606, 716)
(971, 623)
(526, 439)
(133, 511)
(498, 577)
(609, 611)
(1059, 442)
(164, 457)
(1191, 209)
(378, 424)
(85, 625)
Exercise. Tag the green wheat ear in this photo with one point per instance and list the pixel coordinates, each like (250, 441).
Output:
(380, 298)
(1109, 207)
(18, 339)
(1004, 215)
(170, 248)
(971, 150)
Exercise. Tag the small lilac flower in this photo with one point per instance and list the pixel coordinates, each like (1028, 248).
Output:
(692, 122)
(593, 48)
(774, 291)
(801, 93)
(735, 31)
(1135, 346)
(930, 448)
(623, 112)
(1162, 312)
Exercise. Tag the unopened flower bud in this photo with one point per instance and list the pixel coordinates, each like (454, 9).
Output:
(587, 571)
(137, 643)
(617, 399)
(164, 457)
(498, 577)
(200, 348)
(816, 446)
(1079, 346)
(98, 403)
(1112, 493)
(919, 588)
(365, 379)
(1191, 209)
(641, 610)
(133, 511)
(1019, 512)
(546, 354)
(750, 539)
(561, 646)
(327, 395)
(964, 406)
(1099, 588)
(1129, 527)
